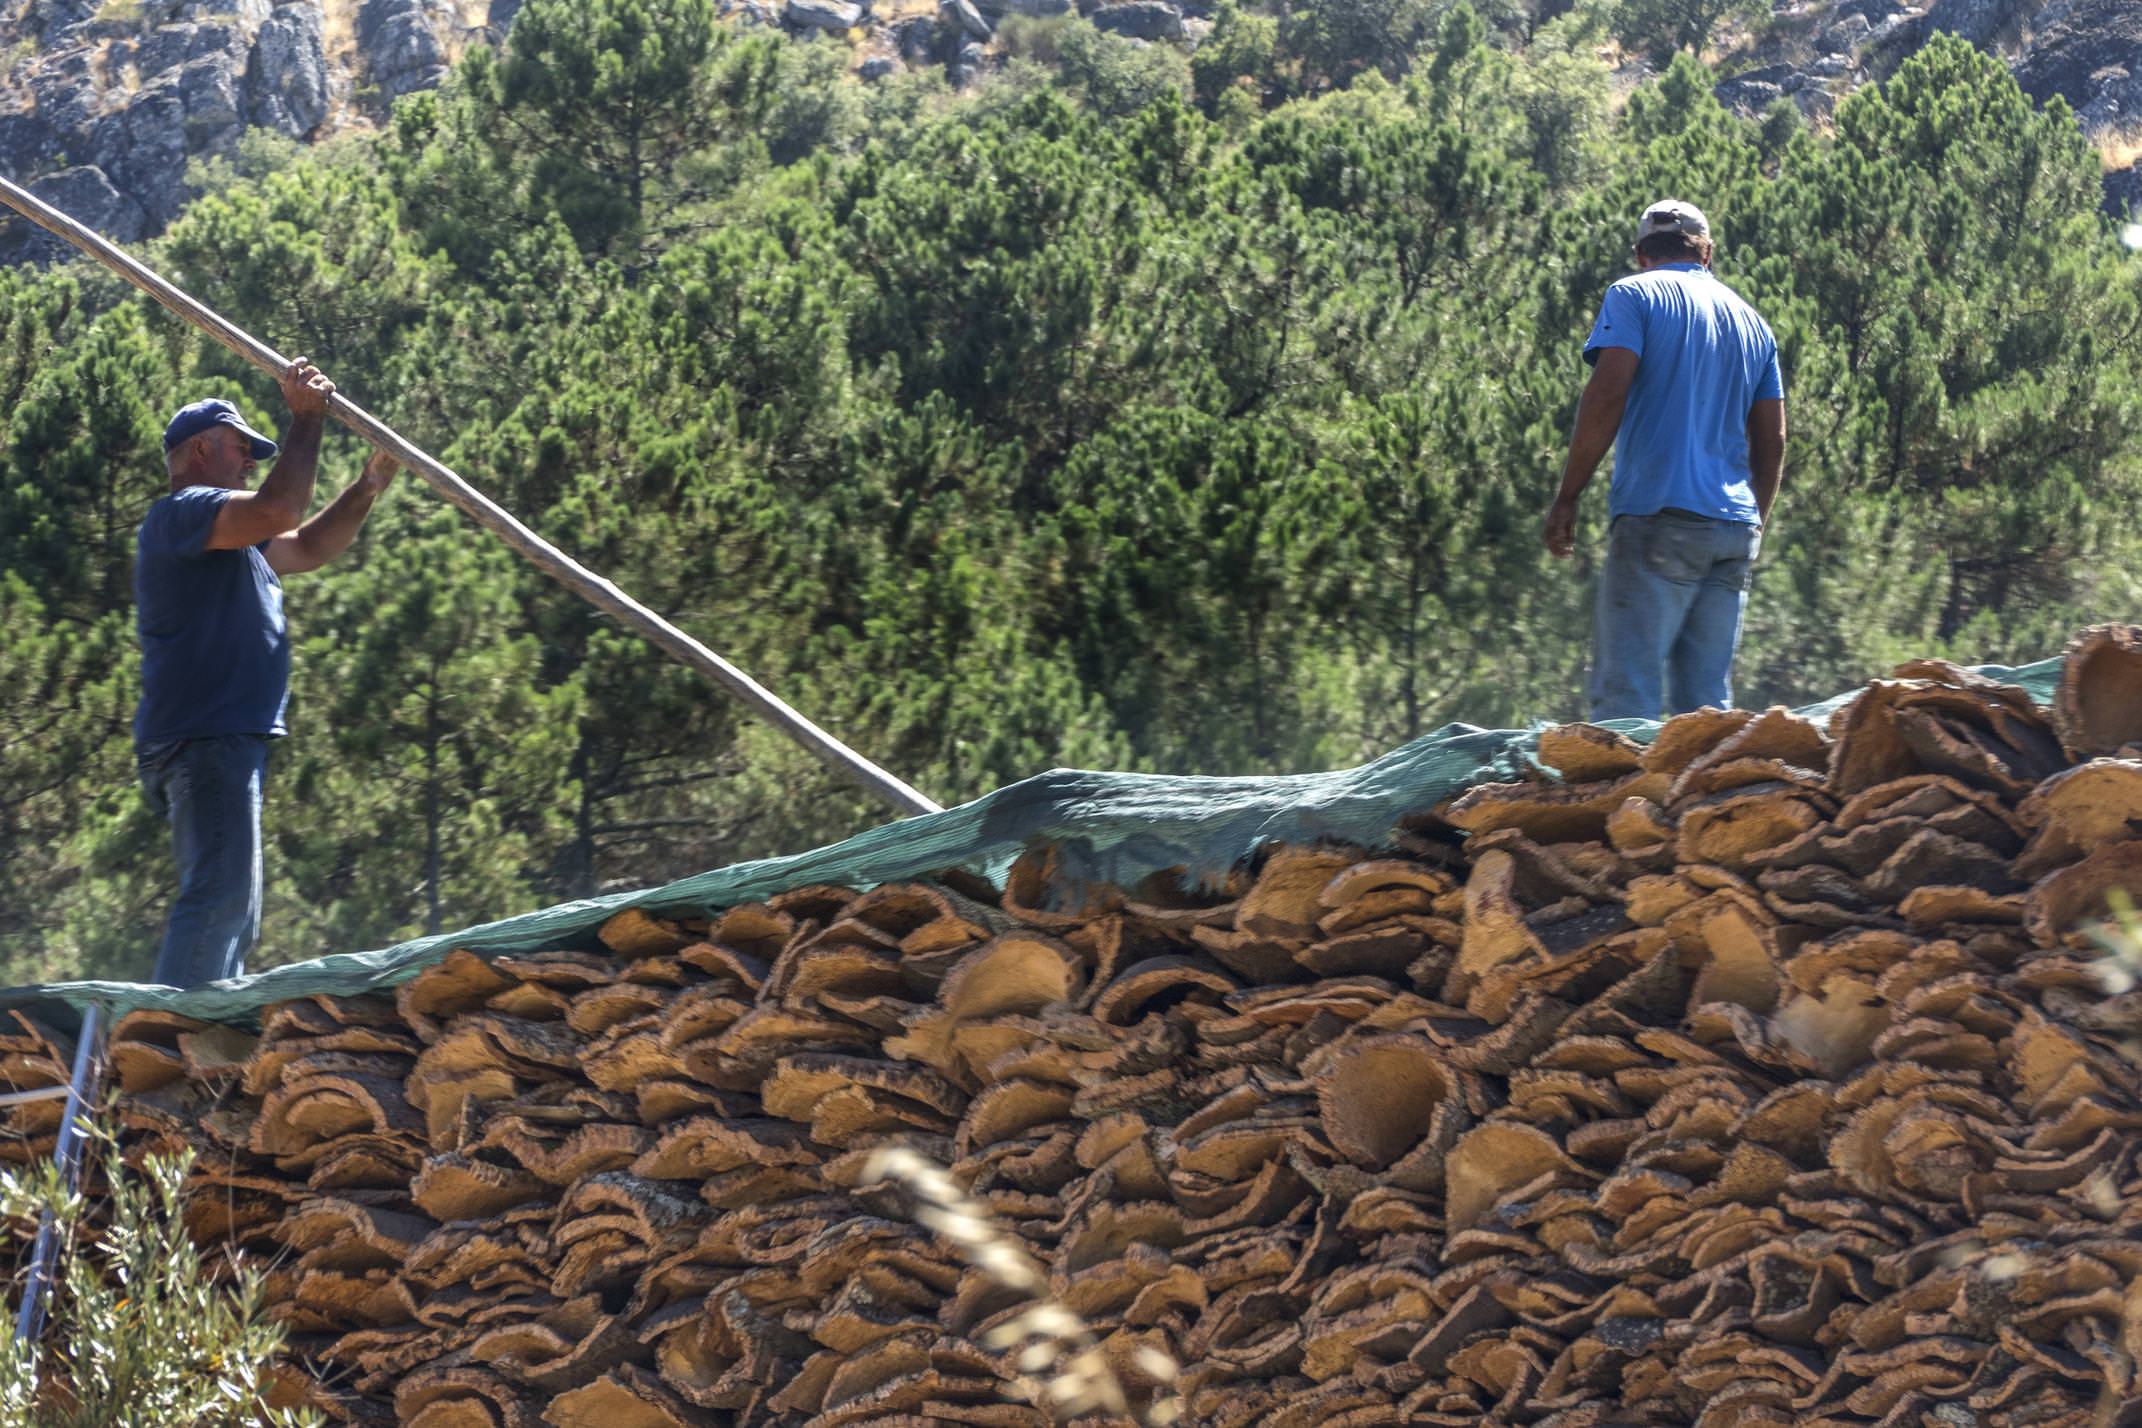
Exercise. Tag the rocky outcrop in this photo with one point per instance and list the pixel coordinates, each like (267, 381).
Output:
(2089, 52)
(119, 95)
(406, 43)
(1141, 20)
(84, 193)
(824, 14)
(2123, 195)
(1982, 22)
(286, 82)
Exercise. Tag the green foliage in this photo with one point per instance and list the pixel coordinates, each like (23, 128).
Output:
(1239, 56)
(1125, 411)
(1663, 28)
(1114, 76)
(1330, 42)
(139, 1333)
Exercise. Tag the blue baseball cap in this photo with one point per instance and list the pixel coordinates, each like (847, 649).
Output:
(198, 417)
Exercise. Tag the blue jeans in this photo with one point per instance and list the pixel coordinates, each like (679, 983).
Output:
(1667, 621)
(210, 790)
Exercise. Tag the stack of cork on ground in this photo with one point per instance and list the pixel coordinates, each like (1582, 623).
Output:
(1770, 1074)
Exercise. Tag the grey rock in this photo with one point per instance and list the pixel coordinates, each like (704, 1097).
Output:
(2123, 195)
(86, 193)
(2117, 105)
(64, 91)
(917, 39)
(403, 43)
(27, 145)
(973, 59)
(176, 46)
(1845, 36)
(51, 19)
(83, 193)
(1141, 20)
(209, 88)
(1039, 9)
(1756, 90)
(247, 15)
(963, 14)
(286, 84)
(2090, 53)
(1889, 27)
(1979, 21)
(823, 14)
(499, 18)
(878, 67)
(143, 148)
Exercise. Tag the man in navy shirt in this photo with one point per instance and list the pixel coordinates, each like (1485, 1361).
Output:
(215, 656)
(1685, 388)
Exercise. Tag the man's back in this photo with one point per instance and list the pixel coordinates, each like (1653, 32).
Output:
(1705, 357)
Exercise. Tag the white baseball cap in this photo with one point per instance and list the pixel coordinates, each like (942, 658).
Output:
(1671, 215)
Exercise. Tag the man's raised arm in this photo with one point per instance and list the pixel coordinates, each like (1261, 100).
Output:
(250, 517)
(329, 533)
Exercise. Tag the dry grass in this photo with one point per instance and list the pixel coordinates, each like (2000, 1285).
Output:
(2120, 148)
(1060, 1367)
(472, 19)
(338, 32)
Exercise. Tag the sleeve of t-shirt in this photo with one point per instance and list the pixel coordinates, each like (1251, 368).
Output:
(1772, 387)
(181, 523)
(1620, 324)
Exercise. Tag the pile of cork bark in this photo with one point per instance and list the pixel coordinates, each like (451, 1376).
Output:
(1770, 1073)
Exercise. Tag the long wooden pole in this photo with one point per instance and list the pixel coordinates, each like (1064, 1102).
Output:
(489, 514)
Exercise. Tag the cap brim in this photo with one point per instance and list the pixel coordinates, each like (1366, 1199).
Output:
(262, 447)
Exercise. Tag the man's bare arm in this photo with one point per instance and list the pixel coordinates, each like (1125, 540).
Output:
(1599, 411)
(329, 533)
(1766, 453)
(250, 517)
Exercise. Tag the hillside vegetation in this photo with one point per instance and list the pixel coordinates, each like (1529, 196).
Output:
(1129, 410)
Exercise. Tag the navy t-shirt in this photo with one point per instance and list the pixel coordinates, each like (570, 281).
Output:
(215, 654)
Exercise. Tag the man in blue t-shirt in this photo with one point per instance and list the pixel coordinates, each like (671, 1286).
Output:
(215, 656)
(1685, 388)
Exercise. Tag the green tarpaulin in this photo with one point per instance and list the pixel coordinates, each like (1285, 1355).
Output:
(1116, 827)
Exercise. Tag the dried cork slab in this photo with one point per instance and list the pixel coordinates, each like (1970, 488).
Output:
(1769, 1074)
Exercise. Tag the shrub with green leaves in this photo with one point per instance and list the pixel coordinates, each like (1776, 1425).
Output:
(138, 1334)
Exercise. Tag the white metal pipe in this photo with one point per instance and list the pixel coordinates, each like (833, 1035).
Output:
(67, 1154)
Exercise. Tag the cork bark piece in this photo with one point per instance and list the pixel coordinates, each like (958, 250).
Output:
(1551, 813)
(2063, 906)
(2097, 710)
(1586, 753)
(1732, 828)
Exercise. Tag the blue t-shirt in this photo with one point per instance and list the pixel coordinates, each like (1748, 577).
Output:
(1704, 358)
(215, 654)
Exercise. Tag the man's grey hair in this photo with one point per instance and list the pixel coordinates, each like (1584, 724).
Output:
(176, 456)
